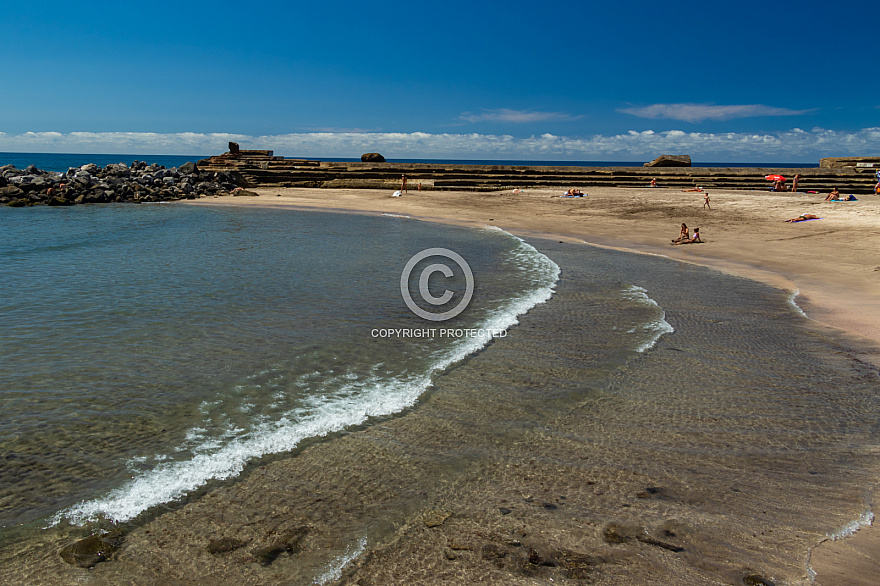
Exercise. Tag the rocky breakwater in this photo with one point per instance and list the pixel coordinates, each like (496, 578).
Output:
(118, 183)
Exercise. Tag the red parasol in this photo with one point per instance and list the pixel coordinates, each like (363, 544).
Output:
(774, 178)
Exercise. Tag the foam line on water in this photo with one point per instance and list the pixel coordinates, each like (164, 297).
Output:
(335, 568)
(792, 301)
(865, 519)
(656, 328)
(321, 416)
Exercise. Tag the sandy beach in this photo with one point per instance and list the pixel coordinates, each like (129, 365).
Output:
(447, 493)
(831, 263)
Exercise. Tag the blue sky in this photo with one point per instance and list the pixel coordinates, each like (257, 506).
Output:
(750, 81)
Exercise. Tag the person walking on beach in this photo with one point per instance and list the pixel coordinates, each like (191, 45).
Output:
(403, 183)
(794, 183)
(706, 202)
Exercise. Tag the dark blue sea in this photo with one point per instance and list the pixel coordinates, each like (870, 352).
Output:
(60, 162)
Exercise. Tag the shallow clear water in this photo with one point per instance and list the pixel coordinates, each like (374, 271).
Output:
(151, 349)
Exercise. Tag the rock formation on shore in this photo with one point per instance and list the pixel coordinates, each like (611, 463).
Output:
(844, 162)
(137, 183)
(372, 158)
(670, 161)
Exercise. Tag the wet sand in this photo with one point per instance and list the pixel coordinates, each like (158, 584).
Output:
(519, 506)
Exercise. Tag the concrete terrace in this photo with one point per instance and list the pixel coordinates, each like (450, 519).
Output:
(264, 169)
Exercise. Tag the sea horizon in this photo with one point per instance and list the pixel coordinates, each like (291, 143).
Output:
(60, 162)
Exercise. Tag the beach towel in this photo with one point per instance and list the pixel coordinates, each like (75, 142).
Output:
(582, 195)
(395, 194)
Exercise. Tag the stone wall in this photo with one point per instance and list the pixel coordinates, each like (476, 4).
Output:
(263, 169)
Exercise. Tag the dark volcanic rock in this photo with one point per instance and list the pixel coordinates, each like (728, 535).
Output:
(670, 161)
(289, 542)
(88, 552)
(224, 545)
(372, 158)
(114, 183)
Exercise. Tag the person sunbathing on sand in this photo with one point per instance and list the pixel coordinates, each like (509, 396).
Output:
(694, 189)
(695, 239)
(683, 235)
(804, 217)
(574, 191)
(835, 193)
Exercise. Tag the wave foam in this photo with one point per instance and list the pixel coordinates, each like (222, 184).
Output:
(866, 519)
(321, 416)
(334, 569)
(793, 303)
(657, 327)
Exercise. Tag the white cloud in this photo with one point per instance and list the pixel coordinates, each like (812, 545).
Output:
(515, 116)
(796, 145)
(700, 112)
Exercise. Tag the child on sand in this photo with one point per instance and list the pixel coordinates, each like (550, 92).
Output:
(706, 201)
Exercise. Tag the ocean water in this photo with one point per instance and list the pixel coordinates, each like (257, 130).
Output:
(60, 162)
(157, 354)
(150, 350)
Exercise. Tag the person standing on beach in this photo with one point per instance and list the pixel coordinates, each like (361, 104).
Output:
(706, 201)
(403, 183)
(794, 183)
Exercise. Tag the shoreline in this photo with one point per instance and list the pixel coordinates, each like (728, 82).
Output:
(836, 299)
(811, 264)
